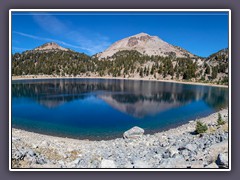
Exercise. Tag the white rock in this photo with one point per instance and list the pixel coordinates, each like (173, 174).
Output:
(178, 162)
(15, 138)
(61, 163)
(76, 161)
(141, 164)
(34, 146)
(45, 143)
(222, 160)
(217, 149)
(212, 165)
(128, 165)
(172, 151)
(133, 133)
(105, 163)
(191, 147)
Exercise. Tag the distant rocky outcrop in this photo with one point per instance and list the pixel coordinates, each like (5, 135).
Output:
(219, 59)
(50, 47)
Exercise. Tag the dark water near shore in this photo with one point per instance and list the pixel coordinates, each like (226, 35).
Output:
(104, 109)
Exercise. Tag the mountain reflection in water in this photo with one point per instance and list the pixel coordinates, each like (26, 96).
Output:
(137, 99)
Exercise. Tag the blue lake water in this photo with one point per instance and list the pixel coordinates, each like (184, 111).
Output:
(103, 109)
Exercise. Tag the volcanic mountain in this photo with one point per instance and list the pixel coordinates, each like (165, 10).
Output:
(51, 46)
(147, 45)
(138, 56)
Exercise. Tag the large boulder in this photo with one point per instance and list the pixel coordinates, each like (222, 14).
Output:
(133, 133)
(216, 149)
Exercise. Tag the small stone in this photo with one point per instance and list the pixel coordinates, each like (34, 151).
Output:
(45, 143)
(34, 146)
(197, 164)
(172, 151)
(185, 152)
(31, 153)
(177, 162)
(18, 155)
(191, 147)
(164, 144)
(76, 161)
(61, 163)
(158, 157)
(40, 161)
(15, 139)
(128, 165)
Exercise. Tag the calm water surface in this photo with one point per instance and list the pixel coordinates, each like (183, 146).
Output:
(104, 109)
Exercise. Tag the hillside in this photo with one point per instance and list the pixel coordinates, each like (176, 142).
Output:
(51, 59)
(132, 64)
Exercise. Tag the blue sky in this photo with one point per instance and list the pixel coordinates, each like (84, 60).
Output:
(201, 33)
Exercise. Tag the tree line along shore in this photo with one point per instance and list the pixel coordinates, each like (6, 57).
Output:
(123, 64)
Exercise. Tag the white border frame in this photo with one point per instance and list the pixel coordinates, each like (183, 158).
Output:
(117, 10)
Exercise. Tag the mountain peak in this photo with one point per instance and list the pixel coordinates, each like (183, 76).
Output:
(49, 47)
(147, 45)
(141, 34)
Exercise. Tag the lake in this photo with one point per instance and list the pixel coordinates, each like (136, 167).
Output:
(100, 109)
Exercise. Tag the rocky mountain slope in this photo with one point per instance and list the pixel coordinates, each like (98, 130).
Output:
(220, 59)
(216, 67)
(51, 46)
(146, 45)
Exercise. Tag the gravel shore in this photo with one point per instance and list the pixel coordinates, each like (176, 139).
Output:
(176, 148)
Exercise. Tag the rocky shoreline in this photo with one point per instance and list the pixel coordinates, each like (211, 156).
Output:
(176, 148)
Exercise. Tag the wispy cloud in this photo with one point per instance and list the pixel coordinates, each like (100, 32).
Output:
(50, 23)
(47, 39)
(15, 41)
(88, 40)
(19, 49)
(96, 44)
(33, 36)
